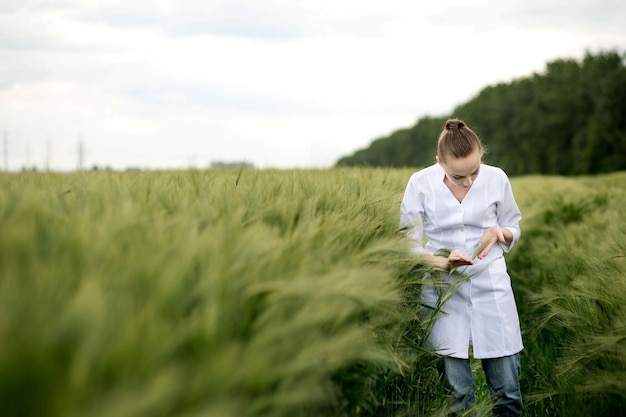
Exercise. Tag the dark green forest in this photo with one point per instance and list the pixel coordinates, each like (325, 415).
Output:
(568, 120)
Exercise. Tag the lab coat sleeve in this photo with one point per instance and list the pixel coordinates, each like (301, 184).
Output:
(509, 214)
(412, 214)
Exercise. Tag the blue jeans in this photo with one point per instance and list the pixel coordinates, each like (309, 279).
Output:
(502, 376)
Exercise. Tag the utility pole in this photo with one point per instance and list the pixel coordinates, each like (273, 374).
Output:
(48, 152)
(6, 151)
(81, 153)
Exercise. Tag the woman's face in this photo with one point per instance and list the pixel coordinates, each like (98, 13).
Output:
(461, 172)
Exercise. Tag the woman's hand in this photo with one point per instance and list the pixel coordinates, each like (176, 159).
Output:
(491, 236)
(454, 259)
(458, 258)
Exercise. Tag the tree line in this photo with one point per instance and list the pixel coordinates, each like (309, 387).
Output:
(569, 120)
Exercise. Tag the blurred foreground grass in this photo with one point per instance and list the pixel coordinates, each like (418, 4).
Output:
(207, 293)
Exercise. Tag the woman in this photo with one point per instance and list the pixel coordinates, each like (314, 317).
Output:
(464, 206)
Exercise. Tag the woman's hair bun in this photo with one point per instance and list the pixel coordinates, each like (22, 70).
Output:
(454, 125)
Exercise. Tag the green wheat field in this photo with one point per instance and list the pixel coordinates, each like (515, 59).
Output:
(244, 293)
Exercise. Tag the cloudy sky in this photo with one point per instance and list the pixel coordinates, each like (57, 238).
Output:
(276, 83)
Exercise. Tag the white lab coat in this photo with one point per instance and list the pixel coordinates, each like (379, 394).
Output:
(482, 313)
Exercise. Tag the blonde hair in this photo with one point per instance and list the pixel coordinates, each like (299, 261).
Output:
(458, 140)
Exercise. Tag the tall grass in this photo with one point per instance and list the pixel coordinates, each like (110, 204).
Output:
(282, 293)
(570, 278)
